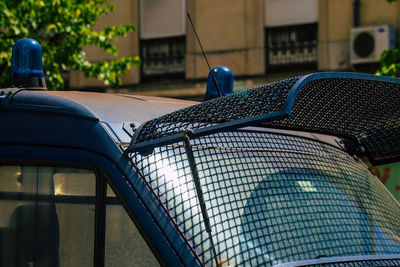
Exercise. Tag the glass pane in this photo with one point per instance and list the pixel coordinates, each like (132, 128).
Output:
(47, 216)
(124, 244)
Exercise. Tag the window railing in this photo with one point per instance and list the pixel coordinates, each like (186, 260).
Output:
(291, 46)
(163, 57)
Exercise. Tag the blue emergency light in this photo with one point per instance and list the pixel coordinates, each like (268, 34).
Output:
(26, 65)
(224, 78)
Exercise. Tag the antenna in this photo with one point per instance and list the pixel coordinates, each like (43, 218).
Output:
(204, 55)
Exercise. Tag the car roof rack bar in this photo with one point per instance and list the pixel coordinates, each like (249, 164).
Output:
(195, 133)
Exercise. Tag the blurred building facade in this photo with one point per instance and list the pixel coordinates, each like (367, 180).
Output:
(251, 37)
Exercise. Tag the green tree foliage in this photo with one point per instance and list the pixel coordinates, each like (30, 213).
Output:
(63, 28)
(390, 63)
(390, 60)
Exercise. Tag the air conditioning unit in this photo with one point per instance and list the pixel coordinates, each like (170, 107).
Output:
(368, 43)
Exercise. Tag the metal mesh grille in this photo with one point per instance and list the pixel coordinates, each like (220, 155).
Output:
(362, 109)
(250, 103)
(360, 263)
(367, 111)
(272, 198)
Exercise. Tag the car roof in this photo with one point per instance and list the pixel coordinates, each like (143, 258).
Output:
(114, 110)
(124, 108)
(111, 108)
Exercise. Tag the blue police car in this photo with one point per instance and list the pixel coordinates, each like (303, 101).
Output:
(269, 176)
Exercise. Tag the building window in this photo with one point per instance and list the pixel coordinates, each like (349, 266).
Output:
(163, 57)
(162, 38)
(289, 47)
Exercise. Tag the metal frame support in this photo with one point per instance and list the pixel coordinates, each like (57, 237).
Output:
(199, 191)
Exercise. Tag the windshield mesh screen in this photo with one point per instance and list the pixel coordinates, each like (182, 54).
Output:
(272, 198)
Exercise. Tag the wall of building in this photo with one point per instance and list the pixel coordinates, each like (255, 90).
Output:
(231, 33)
(376, 12)
(336, 20)
(334, 23)
(125, 12)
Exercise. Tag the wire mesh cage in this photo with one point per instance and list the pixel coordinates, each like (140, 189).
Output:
(245, 196)
(350, 262)
(362, 108)
(272, 198)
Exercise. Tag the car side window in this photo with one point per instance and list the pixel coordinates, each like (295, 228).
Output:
(48, 216)
(48, 219)
(124, 244)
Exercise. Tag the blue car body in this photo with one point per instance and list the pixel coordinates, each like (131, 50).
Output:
(104, 133)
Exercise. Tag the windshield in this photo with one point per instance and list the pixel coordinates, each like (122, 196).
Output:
(273, 198)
